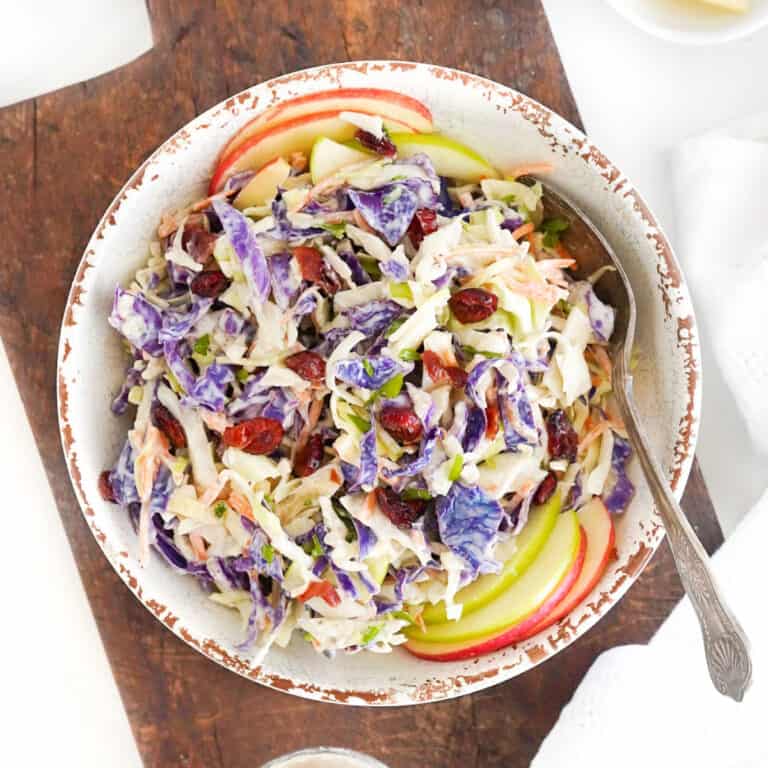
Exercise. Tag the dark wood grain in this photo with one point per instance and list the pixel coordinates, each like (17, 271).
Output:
(63, 157)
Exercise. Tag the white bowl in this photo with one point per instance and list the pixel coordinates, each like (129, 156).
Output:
(692, 22)
(510, 129)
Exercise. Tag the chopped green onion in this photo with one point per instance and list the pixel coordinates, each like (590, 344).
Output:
(370, 634)
(552, 229)
(317, 548)
(200, 346)
(393, 326)
(456, 467)
(371, 266)
(242, 375)
(422, 494)
(220, 509)
(472, 351)
(359, 422)
(175, 383)
(368, 367)
(268, 552)
(410, 355)
(338, 229)
(403, 616)
(392, 387)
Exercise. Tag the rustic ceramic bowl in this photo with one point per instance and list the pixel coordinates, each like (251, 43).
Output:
(510, 129)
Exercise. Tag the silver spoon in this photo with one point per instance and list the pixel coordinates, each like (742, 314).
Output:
(725, 644)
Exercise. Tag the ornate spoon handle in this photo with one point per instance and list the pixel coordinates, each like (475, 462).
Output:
(725, 644)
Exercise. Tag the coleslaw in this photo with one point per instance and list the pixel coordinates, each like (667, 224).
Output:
(347, 398)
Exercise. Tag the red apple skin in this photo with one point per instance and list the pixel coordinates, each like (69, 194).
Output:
(274, 115)
(583, 586)
(228, 163)
(519, 631)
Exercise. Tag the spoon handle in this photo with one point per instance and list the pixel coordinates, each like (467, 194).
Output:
(725, 644)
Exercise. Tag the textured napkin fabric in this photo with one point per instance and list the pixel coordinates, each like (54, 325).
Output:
(640, 706)
(721, 218)
(47, 44)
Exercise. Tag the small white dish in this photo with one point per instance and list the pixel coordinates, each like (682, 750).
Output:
(692, 22)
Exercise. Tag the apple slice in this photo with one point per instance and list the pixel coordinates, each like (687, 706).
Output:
(262, 188)
(328, 156)
(398, 111)
(517, 554)
(528, 600)
(601, 540)
(476, 646)
(297, 135)
(449, 157)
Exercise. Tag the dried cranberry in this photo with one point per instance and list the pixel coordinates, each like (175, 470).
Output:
(382, 146)
(423, 223)
(310, 262)
(546, 489)
(440, 373)
(105, 487)
(563, 442)
(472, 305)
(491, 420)
(401, 512)
(309, 458)
(315, 270)
(457, 375)
(402, 423)
(209, 284)
(169, 425)
(258, 435)
(308, 365)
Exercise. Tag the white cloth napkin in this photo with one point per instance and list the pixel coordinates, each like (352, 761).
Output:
(647, 706)
(641, 706)
(47, 44)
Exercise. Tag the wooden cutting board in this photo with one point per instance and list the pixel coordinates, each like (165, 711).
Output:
(63, 157)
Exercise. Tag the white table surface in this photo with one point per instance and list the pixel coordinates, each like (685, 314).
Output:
(638, 96)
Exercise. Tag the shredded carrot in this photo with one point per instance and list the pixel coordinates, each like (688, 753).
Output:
(531, 238)
(602, 359)
(563, 252)
(529, 169)
(240, 504)
(521, 232)
(593, 434)
(418, 620)
(362, 223)
(201, 204)
(198, 546)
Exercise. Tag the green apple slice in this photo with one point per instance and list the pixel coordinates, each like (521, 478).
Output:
(449, 157)
(517, 555)
(328, 156)
(262, 188)
(523, 598)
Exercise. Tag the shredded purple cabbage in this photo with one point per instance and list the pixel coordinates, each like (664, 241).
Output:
(469, 522)
(619, 490)
(247, 248)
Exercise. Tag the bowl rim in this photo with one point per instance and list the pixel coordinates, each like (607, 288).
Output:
(441, 687)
